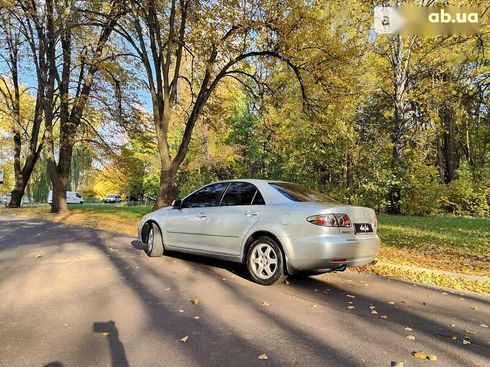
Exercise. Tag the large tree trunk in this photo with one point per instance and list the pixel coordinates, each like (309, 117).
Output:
(21, 181)
(168, 189)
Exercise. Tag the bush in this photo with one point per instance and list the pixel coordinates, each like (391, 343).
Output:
(421, 190)
(466, 197)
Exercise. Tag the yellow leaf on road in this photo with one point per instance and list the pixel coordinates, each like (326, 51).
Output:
(264, 303)
(263, 356)
(106, 333)
(408, 329)
(471, 332)
(483, 325)
(410, 337)
(391, 302)
(384, 317)
(184, 339)
(466, 341)
(397, 364)
(419, 355)
(374, 312)
(195, 301)
(433, 358)
(454, 338)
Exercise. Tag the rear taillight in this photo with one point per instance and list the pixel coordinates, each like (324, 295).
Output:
(330, 220)
(343, 220)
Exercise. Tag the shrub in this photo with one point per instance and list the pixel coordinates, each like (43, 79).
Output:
(464, 196)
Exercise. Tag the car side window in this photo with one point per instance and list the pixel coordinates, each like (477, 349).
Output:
(78, 195)
(207, 196)
(241, 193)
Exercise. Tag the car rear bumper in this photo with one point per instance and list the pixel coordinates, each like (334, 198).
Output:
(323, 253)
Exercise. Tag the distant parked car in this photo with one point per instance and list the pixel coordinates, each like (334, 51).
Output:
(72, 197)
(112, 199)
(275, 228)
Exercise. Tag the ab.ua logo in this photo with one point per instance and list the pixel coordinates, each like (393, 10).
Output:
(446, 17)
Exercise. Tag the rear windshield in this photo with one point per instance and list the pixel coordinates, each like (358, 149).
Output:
(300, 193)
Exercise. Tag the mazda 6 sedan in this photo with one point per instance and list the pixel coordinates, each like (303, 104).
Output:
(275, 228)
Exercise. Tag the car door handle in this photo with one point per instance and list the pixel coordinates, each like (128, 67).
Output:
(251, 214)
(202, 215)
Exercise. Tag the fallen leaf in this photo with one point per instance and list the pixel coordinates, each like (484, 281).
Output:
(313, 306)
(181, 310)
(106, 333)
(483, 325)
(372, 307)
(38, 256)
(454, 338)
(195, 301)
(453, 325)
(196, 317)
(419, 355)
(384, 317)
(265, 303)
(466, 341)
(397, 364)
(167, 289)
(408, 329)
(410, 337)
(316, 290)
(391, 302)
(471, 332)
(473, 308)
(374, 312)
(350, 307)
(263, 356)
(350, 302)
(350, 296)
(184, 339)
(432, 358)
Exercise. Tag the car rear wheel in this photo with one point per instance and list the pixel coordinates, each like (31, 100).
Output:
(153, 240)
(265, 262)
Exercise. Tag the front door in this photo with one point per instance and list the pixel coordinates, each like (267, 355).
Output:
(227, 224)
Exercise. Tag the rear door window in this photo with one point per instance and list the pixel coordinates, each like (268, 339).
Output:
(242, 193)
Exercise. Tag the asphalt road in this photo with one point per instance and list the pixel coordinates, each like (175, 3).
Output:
(73, 296)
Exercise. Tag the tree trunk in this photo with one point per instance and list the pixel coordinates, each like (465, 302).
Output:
(21, 181)
(168, 189)
(449, 146)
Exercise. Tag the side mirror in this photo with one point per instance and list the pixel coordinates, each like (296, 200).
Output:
(177, 204)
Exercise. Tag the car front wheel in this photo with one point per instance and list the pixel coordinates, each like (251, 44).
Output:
(265, 262)
(153, 240)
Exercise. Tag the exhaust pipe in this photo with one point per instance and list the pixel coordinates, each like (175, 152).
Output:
(341, 268)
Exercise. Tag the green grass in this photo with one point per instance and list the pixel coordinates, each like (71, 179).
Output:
(465, 235)
(121, 211)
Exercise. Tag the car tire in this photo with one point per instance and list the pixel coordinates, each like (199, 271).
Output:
(154, 241)
(265, 262)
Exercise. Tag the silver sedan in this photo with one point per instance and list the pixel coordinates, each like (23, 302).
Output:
(275, 228)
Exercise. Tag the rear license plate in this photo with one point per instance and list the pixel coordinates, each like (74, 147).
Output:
(362, 228)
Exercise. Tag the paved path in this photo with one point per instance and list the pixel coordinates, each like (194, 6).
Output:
(63, 288)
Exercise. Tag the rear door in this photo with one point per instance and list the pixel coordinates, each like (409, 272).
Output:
(227, 224)
(186, 227)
